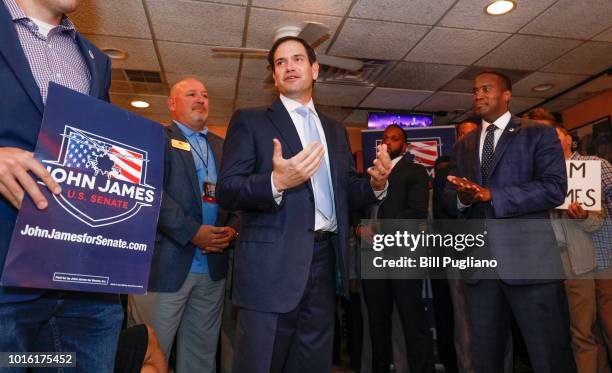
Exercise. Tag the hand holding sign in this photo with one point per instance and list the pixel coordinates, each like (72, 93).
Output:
(15, 180)
(583, 184)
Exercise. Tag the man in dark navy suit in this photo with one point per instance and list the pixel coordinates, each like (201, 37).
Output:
(39, 44)
(504, 171)
(290, 170)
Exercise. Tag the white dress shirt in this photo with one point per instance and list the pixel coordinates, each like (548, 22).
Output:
(501, 123)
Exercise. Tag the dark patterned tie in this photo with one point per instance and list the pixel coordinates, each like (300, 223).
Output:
(487, 154)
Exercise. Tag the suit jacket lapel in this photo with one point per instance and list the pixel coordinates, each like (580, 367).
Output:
(10, 48)
(187, 158)
(282, 121)
(332, 146)
(506, 138)
(88, 56)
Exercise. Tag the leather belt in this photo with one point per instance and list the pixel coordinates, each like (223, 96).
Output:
(322, 235)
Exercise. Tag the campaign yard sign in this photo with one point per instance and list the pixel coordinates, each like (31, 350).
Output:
(98, 234)
(583, 184)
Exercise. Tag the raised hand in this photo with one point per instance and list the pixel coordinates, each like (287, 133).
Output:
(289, 173)
(381, 168)
(468, 191)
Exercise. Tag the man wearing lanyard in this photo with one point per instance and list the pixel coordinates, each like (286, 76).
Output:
(187, 280)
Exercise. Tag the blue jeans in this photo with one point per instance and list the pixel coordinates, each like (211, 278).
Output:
(61, 321)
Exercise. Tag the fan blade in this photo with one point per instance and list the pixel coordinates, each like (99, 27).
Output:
(340, 62)
(240, 50)
(313, 32)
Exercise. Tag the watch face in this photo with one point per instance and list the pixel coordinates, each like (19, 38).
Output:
(208, 192)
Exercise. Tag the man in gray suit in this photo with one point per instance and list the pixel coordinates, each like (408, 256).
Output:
(187, 280)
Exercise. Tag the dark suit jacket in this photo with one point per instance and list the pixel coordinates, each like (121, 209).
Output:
(527, 179)
(408, 194)
(275, 248)
(180, 217)
(21, 110)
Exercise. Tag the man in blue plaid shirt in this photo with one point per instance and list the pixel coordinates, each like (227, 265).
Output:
(602, 245)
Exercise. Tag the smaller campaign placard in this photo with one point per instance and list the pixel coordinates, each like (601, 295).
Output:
(583, 184)
(98, 234)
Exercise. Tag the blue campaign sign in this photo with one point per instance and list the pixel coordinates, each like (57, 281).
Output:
(98, 234)
(425, 144)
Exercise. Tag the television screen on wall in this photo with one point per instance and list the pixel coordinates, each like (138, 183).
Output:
(382, 120)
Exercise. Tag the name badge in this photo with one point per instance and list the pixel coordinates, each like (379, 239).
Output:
(208, 192)
(180, 145)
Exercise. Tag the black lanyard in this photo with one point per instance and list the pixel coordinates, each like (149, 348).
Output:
(205, 162)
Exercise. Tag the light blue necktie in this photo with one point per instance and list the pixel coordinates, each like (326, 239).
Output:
(320, 181)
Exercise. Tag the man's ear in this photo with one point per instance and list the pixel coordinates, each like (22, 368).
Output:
(315, 70)
(171, 103)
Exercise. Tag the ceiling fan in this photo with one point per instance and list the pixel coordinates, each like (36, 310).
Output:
(314, 33)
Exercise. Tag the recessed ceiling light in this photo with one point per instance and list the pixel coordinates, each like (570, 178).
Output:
(115, 54)
(542, 87)
(140, 104)
(500, 7)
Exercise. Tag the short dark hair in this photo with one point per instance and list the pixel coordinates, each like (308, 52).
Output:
(399, 128)
(312, 56)
(540, 114)
(506, 83)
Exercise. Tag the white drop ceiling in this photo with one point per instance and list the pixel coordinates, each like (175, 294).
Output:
(433, 49)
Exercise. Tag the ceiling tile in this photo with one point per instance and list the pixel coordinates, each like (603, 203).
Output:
(264, 22)
(357, 118)
(572, 19)
(592, 88)
(197, 22)
(157, 103)
(561, 82)
(447, 101)
(254, 68)
(519, 104)
(470, 14)
(141, 53)
(339, 95)
(451, 45)
(394, 98)
(421, 76)
(196, 59)
(424, 12)
(234, 2)
(527, 52)
(327, 7)
(218, 87)
(118, 18)
(590, 58)
(391, 41)
(459, 85)
(605, 36)
(250, 88)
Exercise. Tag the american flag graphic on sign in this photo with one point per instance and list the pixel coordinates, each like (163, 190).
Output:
(111, 160)
(425, 152)
(128, 165)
